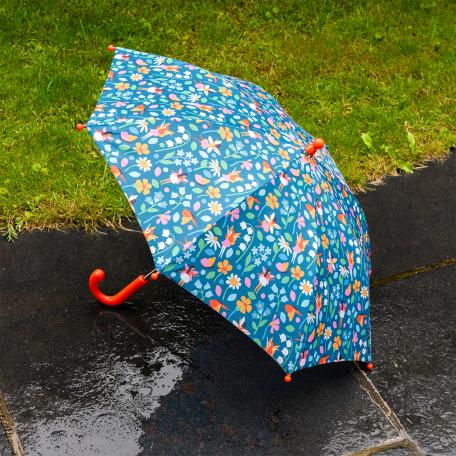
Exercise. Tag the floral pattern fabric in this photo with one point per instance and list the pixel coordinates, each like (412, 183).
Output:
(235, 211)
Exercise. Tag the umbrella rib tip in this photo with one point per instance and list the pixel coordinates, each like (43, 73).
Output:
(111, 48)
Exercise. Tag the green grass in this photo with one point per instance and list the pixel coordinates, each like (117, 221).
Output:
(374, 78)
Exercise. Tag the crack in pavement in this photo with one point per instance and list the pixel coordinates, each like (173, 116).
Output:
(10, 428)
(412, 272)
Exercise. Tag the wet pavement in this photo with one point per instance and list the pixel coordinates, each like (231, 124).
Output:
(4, 447)
(412, 218)
(415, 349)
(167, 376)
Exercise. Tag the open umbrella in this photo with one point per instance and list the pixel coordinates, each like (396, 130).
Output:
(239, 205)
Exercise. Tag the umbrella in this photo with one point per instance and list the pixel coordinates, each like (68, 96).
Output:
(239, 205)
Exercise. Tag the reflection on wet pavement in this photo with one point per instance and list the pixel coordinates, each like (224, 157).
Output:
(164, 375)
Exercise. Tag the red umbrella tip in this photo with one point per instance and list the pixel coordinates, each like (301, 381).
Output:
(287, 378)
(370, 367)
(111, 48)
(154, 275)
(318, 143)
(310, 149)
(80, 127)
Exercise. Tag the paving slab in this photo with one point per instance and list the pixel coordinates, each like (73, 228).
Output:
(165, 375)
(414, 348)
(4, 447)
(412, 218)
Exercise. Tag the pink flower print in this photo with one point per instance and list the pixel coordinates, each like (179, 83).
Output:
(247, 164)
(164, 218)
(234, 214)
(274, 324)
(343, 239)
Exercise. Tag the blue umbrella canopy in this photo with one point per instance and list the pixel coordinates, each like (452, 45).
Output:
(240, 206)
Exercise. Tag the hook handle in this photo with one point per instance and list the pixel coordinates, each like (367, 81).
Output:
(98, 276)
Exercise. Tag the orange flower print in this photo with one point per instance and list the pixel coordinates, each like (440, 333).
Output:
(213, 192)
(142, 149)
(244, 305)
(321, 328)
(356, 286)
(177, 106)
(307, 179)
(225, 133)
(272, 201)
(297, 273)
(337, 342)
(324, 241)
(224, 267)
(143, 186)
(122, 86)
(225, 91)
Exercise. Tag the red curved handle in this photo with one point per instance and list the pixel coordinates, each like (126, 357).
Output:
(98, 276)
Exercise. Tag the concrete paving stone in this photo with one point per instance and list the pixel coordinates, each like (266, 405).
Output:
(4, 446)
(414, 348)
(164, 375)
(412, 218)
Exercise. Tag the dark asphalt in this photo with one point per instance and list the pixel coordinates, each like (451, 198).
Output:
(167, 376)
